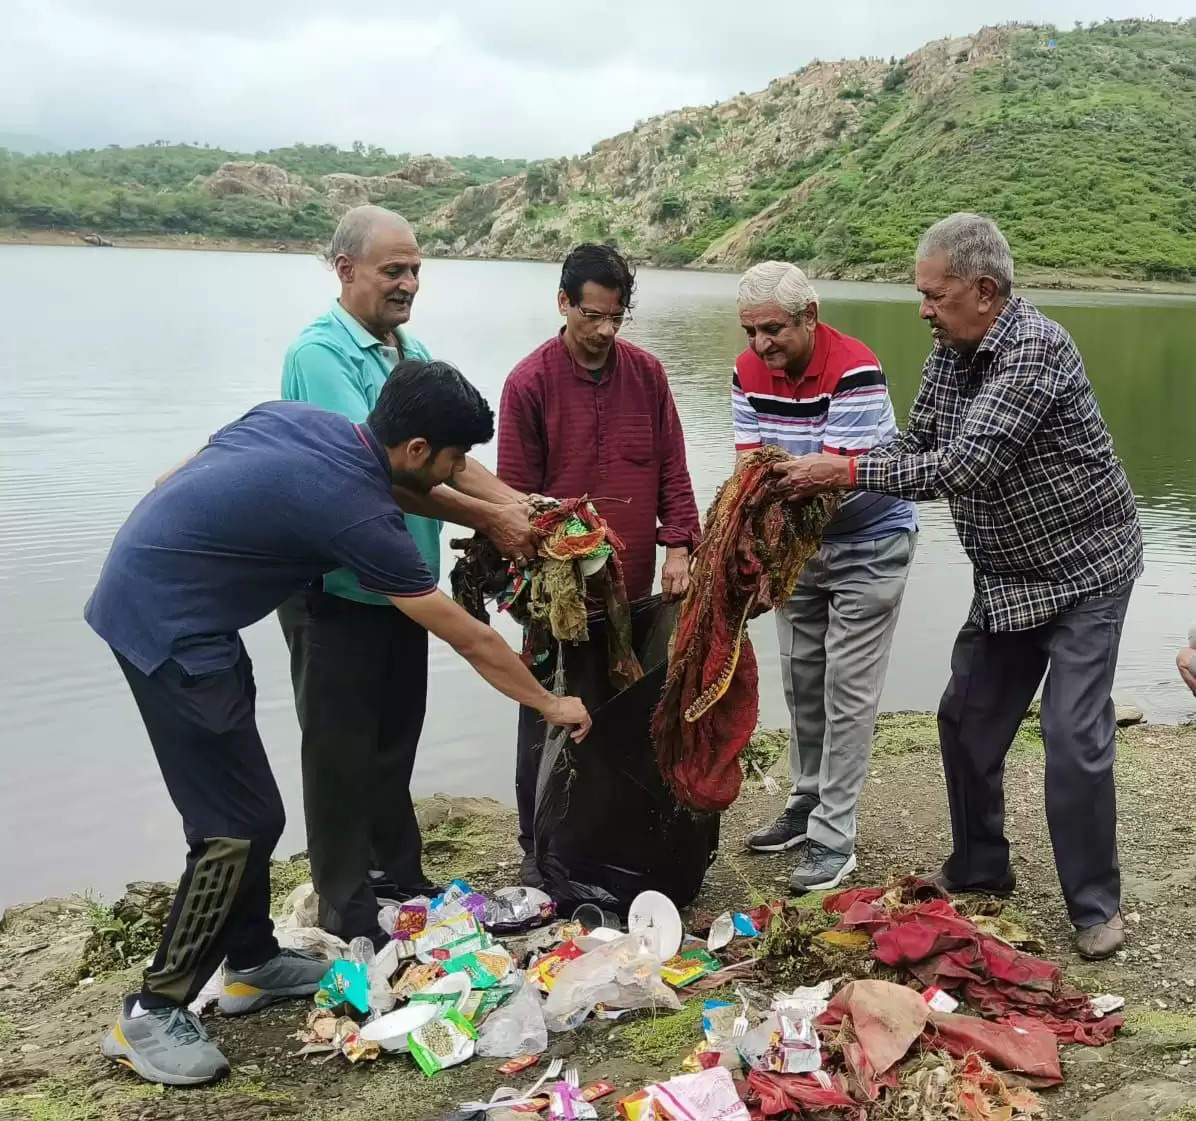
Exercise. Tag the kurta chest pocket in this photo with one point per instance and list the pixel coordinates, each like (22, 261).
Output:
(633, 438)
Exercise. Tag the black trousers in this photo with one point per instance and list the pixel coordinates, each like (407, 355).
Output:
(360, 673)
(205, 737)
(993, 680)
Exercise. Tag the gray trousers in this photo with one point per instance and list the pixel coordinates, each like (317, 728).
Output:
(993, 680)
(835, 634)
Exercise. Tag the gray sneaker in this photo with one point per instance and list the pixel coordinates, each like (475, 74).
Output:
(788, 830)
(821, 868)
(287, 974)
(167, 1045)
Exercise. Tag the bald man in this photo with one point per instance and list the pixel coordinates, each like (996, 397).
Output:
(359, 668)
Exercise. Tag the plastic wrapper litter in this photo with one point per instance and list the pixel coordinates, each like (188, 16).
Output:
(443, 1043)
(517, 1028)
(621, 974)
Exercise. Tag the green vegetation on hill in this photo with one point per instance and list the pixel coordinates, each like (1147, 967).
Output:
(1084, 152)
(150, 189)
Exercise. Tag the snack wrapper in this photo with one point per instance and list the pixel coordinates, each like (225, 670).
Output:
(415, 978)
(442, 1043)
(688, 966)
(543, 973)
(346, 982)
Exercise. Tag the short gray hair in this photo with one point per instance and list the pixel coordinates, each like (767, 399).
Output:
(353, 231)
(777, 282)
(974, 247)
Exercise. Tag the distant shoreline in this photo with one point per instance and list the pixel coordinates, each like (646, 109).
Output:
(1027, 278)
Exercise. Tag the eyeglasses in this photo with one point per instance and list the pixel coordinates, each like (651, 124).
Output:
(591, 316)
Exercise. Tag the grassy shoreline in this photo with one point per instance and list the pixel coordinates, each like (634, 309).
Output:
(51, 1023)
(1027, 278)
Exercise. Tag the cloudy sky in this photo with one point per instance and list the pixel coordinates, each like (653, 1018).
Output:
(531, 78)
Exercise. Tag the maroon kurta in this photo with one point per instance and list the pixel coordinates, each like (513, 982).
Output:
(562, 432)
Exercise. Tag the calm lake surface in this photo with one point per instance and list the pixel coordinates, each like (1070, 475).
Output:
(115, 365)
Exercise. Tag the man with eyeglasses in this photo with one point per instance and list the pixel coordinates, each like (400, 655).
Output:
(590, 413)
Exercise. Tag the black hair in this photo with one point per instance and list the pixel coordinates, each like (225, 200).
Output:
(432, 400)
(600, 264)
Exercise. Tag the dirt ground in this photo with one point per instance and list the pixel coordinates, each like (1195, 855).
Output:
(51, 1024)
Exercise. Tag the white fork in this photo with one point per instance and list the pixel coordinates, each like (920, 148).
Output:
(771, 786)
(528, 1095)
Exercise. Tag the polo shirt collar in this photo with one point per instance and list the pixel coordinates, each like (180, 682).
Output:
(357, 332)
(375, 445)
(818, 360)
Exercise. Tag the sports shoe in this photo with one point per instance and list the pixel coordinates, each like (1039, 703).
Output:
(289, 973)
(1001, 888)
(821, 868)
(1095, 943)
(788, 830)
(166, 1045)
(529, 872)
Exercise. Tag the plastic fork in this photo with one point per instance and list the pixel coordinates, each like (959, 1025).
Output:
(771, 786)
(573, 1077)
(520, 1098)
(740, 1025)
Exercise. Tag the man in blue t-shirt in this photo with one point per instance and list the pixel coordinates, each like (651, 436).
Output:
(274, 501)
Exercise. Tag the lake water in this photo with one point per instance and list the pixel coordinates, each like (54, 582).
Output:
(115, 365)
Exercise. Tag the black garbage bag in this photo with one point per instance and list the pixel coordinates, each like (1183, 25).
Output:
(606, 826)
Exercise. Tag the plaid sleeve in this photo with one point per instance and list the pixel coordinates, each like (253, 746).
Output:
(744, 420)
(859, 414)
(1000, 419)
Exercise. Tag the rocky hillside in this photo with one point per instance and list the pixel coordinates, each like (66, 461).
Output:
(1083, 144)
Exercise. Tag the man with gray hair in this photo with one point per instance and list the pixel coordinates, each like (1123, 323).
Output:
(804, 387)
(358, 666)
(1006, 427)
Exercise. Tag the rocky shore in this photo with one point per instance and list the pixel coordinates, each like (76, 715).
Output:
(57, 995)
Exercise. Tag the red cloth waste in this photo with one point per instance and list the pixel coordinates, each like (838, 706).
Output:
(754, 545)
(780, 1095)
(914, 926)
(1018, 1043)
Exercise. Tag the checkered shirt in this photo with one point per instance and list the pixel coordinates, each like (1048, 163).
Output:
(1013, 438)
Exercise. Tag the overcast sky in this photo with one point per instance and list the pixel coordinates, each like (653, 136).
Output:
(533, 78)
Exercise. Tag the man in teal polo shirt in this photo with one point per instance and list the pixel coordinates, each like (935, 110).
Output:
(359, 668)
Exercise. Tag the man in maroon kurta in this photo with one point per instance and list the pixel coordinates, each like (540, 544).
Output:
(589, 413)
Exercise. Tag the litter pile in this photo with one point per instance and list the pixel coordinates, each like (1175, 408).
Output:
(445, 988)
(577, 557)
(755, 543)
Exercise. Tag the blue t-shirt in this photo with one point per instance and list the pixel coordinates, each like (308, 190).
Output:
(274, 501)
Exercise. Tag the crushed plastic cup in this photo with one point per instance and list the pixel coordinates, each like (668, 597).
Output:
(592, 917)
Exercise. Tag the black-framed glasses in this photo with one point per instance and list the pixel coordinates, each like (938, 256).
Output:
(592, 316)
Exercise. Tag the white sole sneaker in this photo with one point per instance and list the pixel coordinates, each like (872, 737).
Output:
(834, 881)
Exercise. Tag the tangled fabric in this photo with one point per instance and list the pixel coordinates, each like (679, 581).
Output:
(755, 543)
(913, 926)
(577, 556)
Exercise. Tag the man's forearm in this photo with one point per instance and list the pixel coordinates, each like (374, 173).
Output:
(447, 504)
(478, 482)
(501, 667)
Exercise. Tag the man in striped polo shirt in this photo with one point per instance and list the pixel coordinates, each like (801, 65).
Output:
(804, 387)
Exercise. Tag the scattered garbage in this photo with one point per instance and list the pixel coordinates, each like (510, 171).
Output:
(444, 989)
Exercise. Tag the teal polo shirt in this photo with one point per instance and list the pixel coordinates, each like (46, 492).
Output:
(337, 364)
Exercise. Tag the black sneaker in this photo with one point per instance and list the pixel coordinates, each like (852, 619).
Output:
(1000, 889)
(821, 868)
(788, 830)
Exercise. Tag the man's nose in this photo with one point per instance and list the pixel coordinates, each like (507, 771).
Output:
(760, 343)
(924, 310)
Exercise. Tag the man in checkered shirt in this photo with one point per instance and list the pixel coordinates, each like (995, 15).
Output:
(1006, 427)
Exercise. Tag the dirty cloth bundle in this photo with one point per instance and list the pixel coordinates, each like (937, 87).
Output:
(914, 926)
(755, 543)
(577, 555)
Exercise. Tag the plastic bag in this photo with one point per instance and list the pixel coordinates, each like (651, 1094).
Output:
(517, 1028)
(583, 791)
(621, 974)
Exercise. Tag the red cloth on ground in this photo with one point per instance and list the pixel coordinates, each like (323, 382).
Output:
(754, 545)
(941, 947)
(1018, 1044)
(779, 1095)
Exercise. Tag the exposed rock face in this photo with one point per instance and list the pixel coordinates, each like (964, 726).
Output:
(659, 182)
(259, 180)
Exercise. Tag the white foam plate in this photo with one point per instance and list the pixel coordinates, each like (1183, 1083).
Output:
(391, 1031)
(451, 984)
(654, 916)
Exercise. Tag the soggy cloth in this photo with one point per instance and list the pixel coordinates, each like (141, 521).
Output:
(913, 926)
(754, 546)
(577, 554)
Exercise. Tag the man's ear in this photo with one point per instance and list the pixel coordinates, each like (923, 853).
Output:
(989, 292)
(343, 266)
